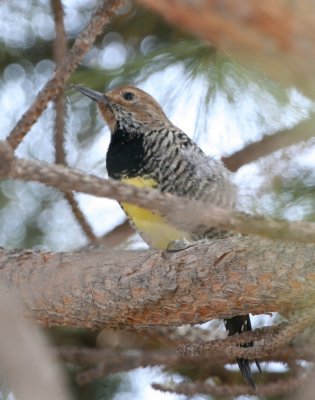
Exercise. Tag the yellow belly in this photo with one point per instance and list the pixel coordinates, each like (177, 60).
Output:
(151, 226)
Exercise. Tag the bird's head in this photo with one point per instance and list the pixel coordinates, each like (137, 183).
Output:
(127, 107)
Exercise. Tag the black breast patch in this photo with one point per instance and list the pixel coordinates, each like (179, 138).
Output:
(125, 155)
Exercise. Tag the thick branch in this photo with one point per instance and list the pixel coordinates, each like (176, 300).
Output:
(217, 279)
(185, 213)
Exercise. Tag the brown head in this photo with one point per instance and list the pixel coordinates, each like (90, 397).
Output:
(127, 107)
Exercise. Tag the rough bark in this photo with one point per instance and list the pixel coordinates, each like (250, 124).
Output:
(214, 279)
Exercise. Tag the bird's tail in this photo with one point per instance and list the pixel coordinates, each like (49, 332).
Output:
(241, 324)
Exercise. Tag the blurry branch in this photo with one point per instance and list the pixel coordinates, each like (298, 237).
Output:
(277, 37)
(215, 351)
(117, 235)
(158, 337)
(208, 354)
(113, 361)
(268, 144)
(80, 217)
(53, 87)
(27, 363)
(102, 362)
(308, 389)
(185, 213)
(282, 386)
(60, 53)
(98, 288)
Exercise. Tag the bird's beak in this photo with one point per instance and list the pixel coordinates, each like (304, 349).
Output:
(92, 94)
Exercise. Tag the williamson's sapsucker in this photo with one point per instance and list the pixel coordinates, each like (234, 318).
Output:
(147, 150)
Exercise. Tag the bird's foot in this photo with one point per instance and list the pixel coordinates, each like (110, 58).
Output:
(178, 245)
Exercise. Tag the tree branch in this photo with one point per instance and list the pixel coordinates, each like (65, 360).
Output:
(279, 340)
(60, 52)
(81, 45)
(270, 143)
(185, 213)
(275, 37)
(280, 387)
(112, 361)
(102, 362)
(199, 348)
(217, 279)
(117, 235)
(210, 355)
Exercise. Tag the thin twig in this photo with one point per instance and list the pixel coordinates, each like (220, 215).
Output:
(274, 338)
(110, 361)
(271, 389)
(117, 235)
(200, 348)
(113, 361)
(81, 45)
(103, 362)
(277, 341)
(270, 143)
(60, 52)
(80, 217)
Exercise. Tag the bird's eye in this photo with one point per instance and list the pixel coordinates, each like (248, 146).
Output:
(128, 96)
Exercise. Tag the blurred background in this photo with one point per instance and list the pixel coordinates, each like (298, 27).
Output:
(224, 104)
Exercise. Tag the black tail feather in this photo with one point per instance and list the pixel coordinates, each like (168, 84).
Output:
(246, 371)
(258, 366)
(241, 324)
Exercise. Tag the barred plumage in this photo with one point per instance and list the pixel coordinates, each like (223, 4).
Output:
(146, 149)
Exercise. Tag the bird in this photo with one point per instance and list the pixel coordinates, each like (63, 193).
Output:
(147, 150)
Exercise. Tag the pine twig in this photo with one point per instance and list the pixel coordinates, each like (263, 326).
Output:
(278, 340)
(202, 348)
(282, 386)
(270, 143)
(81, 46)
(117, 235)
(60, 53)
